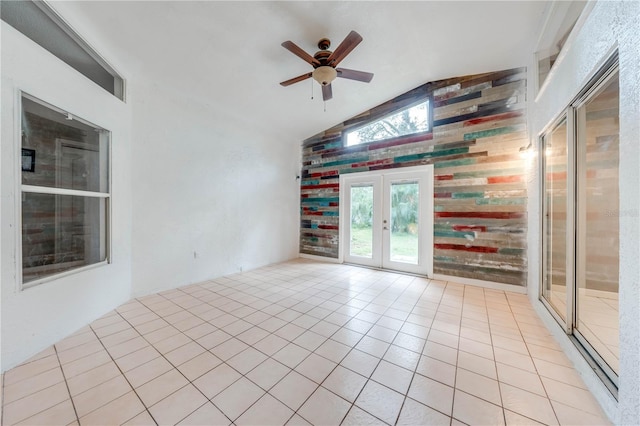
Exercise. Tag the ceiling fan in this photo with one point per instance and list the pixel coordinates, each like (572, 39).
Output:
(324, 63)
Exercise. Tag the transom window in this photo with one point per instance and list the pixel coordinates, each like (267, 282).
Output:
(414, 119)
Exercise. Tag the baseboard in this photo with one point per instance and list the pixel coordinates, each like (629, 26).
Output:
(481, 283)
(319, 258)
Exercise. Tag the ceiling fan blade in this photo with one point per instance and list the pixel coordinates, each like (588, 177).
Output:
(327, 92)
(296, 50)
(365, 77)
(347, 45)
(296, 79)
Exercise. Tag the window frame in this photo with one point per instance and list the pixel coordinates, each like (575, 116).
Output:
(558, 15)
(422, 100)
(32, 9)
(22, 189)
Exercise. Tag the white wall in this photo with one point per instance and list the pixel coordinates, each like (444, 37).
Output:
(198, 192)
(37, 317)
(212, 194)
(610, 25)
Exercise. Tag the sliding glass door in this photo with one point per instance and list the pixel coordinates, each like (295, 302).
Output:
(597, 220)
(556, 198)
(580, 226)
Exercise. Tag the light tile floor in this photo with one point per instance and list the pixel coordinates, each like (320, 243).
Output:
(301, 343)
(598, 320)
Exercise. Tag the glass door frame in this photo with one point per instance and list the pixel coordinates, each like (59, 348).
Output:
(609, 71)
(575, 247)
(382, 180)
(567, 324)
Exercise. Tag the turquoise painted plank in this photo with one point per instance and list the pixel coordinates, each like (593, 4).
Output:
(442, 227)
(336, 144)
(447, 259)
(511, 251)
(485, 173)
(347, 161)
(453, 234)
(516, 201)
(443, 153)
(467, 195)
(412, 157)
(455, 163)
(490, 132)
(354, 170)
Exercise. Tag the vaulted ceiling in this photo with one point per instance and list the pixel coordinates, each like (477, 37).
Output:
(227, 55)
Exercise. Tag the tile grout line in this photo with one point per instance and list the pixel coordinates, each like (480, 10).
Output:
(121, 372)
(296, 412)
(165, 358)
(415, 369)
(426, 340)
(64, 377)
(224, 362)
(524, 340)
(380, 359)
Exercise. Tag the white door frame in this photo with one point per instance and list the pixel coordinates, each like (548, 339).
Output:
(426, 205)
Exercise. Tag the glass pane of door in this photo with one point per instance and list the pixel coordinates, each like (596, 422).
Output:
(361, 221)
(598, 220)
(404, 199)
(554, 288)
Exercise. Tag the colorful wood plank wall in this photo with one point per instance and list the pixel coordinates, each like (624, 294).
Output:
(479, 126)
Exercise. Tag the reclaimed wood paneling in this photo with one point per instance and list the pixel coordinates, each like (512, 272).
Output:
(480, 196)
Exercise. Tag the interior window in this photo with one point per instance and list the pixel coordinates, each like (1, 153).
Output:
(65, 192)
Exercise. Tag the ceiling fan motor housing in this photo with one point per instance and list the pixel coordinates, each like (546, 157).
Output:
(322, 56)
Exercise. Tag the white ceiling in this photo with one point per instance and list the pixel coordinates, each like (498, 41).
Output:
(227, 55)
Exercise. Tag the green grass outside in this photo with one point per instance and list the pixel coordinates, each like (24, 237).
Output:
(403, 244)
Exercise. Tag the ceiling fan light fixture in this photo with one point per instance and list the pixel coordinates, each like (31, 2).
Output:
(324, 75)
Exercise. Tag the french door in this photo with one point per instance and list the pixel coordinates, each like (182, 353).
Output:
(386, 219)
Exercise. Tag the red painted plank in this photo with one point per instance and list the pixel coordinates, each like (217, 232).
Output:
(442, 195)
(327, 185)
(483, 215)
(461, 247)
(329, 173)
(505, 179)
(327, 226)
(443, 177)
(463, 228)
(503, 116)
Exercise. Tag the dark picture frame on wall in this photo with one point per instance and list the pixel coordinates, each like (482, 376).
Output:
(28, 160)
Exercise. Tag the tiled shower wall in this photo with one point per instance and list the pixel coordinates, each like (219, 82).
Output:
(479, 126)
